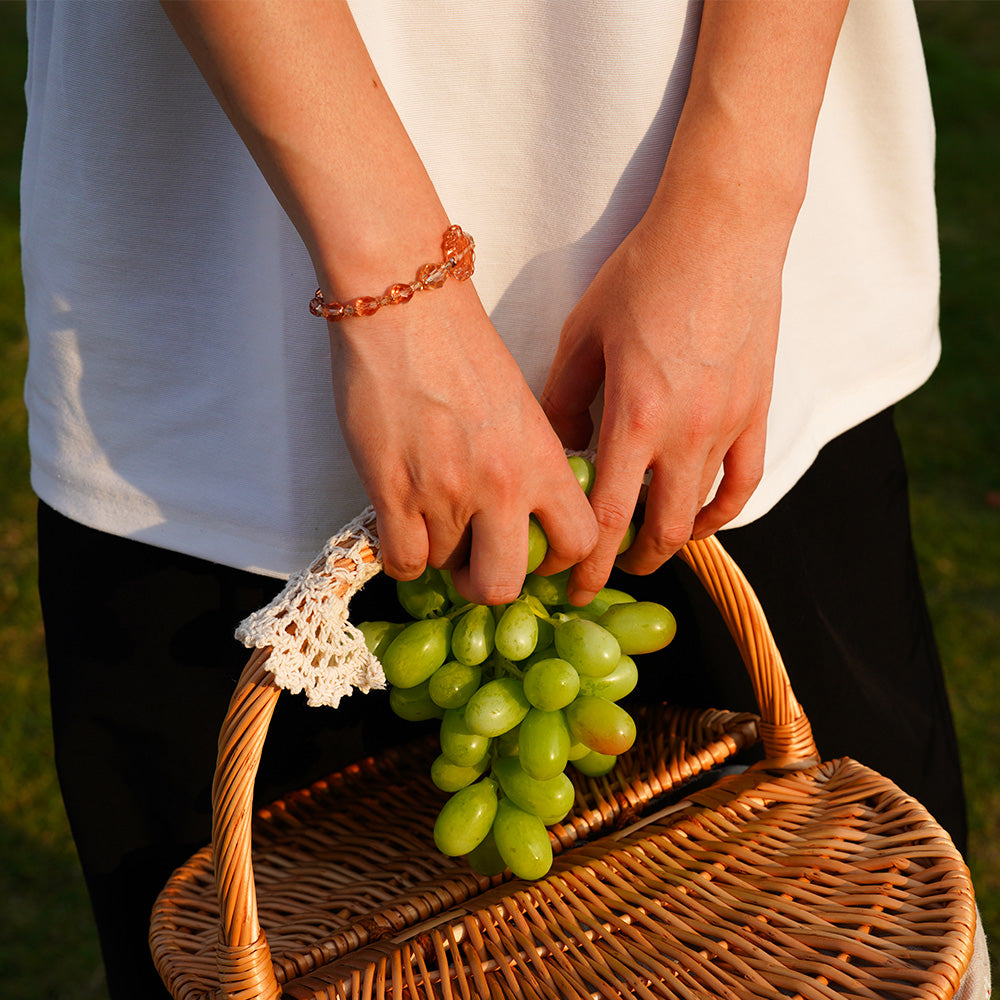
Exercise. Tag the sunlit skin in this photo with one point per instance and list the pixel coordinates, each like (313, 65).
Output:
(680, 325)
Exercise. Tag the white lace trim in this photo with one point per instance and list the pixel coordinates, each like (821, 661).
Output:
(324, 655)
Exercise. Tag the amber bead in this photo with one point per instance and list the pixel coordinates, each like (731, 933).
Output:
(459, 246)
(399, 293)
(432, 275)
(367, 305)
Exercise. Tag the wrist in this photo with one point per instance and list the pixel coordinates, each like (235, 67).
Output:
(723, 186)
(455, 259)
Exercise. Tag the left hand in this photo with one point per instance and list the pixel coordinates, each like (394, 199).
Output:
(681, 326)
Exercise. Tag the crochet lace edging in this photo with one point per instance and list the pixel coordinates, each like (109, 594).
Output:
(315, 649)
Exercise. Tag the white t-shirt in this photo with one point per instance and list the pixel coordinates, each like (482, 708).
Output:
(179, 390)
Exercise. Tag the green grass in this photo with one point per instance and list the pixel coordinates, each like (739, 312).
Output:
(951, 430)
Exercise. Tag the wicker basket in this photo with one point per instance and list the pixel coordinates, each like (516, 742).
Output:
(795, 878)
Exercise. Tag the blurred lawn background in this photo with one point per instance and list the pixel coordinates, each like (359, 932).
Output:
(951, 429)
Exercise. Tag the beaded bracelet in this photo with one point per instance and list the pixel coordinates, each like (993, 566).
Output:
(459, 261)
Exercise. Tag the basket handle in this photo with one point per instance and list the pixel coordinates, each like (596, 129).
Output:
(784, 728)
(245, 969)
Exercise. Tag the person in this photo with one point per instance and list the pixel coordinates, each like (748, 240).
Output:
(706, 243)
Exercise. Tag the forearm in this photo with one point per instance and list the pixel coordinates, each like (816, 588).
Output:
(741, 151)
(297, 83)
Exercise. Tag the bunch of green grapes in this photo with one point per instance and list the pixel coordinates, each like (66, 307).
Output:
(523, 691)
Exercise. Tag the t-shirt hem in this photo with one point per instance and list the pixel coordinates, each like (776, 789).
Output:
(826, 423)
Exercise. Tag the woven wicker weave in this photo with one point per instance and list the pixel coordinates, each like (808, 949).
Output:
(793, 879)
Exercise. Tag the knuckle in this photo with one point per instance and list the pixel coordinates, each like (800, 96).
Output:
(700, 423)
(664, 540)
(644, 417)
(611, 514)
(497, 592)
(576, 546)
(403, 567)
(745, 482)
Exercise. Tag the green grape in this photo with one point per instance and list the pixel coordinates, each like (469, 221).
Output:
(551, 683)
(546, 633)
(472, 637)
(590, 648)
(517, 632)
(450, 777)
(414, 704)
(453, 684)
(522, 841)
(417, 652)
(425, 596)
(577, 750)
(498, 706)
(540, 653)
(454, 597)
(508, 744)
(612, 596)
(546, 630)
(551, 799)
(584, 471)
(600, 724)
(459, 743)
(378, 635)
(485, 858)
(639, 627)
(466, 818)
(591, 611)
(550, 590)
(535, 604)
(538, 544)
(603, 600)
(596, 765)
(614, 686)
(627, 539)
(543, 744)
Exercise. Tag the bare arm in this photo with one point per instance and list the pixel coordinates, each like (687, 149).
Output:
(451, 446)
(681, 323)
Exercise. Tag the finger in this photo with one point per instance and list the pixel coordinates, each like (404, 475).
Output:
(575, 377)
(743, 469)
(403, 542)
(569, 525)
(613, 499)
(497, 559)
(672, 501)
(448, 546)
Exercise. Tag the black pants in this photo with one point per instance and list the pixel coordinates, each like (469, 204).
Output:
(142, 664)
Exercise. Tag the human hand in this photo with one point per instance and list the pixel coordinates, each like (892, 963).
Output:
(452, 448)
(681, 327)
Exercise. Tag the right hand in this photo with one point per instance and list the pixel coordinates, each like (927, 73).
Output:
(453, 449)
